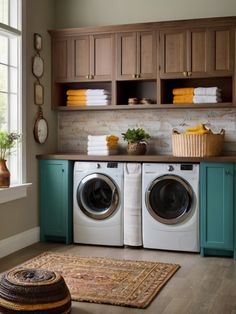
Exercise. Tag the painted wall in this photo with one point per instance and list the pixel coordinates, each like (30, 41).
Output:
(78, 13)
(21, 215)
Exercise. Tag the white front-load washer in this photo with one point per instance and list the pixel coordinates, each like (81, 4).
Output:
(170, 206)
(98, 203)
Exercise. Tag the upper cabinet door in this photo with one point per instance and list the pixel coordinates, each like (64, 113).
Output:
(60, 64)
(184, 53)
(222, 40)
(80, 63)
(173, 53)
(136, 54)
(102, 57)
(127, 54)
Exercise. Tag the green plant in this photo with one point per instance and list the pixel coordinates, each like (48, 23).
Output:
(7, 141)
(135, 135)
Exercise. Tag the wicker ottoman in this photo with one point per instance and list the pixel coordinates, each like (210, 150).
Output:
(33, 291)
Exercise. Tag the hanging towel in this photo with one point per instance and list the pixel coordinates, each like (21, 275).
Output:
(183, 91)
(133, 204)
(213, 91)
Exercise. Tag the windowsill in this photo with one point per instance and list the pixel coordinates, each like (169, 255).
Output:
(14, 192)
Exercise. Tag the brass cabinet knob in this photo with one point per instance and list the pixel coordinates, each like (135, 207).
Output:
(91, 77)
(185, 73)
(134, 76)
(189, 73)
(138, 75)
(87, 76)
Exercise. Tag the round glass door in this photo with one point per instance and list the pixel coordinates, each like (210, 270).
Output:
(169, 199)
(97, 196)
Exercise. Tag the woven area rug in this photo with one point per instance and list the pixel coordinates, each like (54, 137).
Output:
(105, 280)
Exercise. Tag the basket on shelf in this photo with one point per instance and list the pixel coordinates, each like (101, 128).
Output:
(197, 145)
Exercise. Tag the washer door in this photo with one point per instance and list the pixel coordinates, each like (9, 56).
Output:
(97, 196)
(169, 199)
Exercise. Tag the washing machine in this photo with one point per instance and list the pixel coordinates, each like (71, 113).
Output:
(170, 206)
(98, 203)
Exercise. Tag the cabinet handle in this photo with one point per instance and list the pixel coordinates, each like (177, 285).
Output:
(87, 76)
(134, 76)
(185, 73)
(227, 172)
(91, 77)
(138, 75)
(189, 73)
(62, 170)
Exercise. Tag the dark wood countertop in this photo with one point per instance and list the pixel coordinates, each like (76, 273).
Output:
(141, 158)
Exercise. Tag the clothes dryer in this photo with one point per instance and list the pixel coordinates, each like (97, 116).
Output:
(170, 206)
(98, 203)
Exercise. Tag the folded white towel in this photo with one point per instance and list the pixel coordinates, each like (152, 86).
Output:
(101, 138)
(206, 99)
(97, 97)
(97, 102)
(213, 91)
(101, 147)
(105, 152)
(96, 92)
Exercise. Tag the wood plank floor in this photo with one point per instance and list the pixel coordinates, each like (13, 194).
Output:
(202, 285)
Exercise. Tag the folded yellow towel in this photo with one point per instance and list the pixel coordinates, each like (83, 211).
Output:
(76, 97)
(198, 129)
(76, 92)
(183, 91)
(183, 99)
(75, 103)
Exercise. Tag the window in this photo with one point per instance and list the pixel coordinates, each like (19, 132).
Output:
(10, 79)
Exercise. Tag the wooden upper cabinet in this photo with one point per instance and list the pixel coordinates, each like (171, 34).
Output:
(222, 40)
(183, 53)
(136, 55)
(202, 52)
(60, 62)
(92, 57)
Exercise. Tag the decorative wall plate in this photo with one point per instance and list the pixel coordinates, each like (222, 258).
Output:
(41, 130)
(37, 66)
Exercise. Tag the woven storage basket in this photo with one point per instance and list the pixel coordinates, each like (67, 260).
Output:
(197, 145)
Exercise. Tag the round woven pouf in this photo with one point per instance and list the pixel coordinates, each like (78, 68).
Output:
(34, 291)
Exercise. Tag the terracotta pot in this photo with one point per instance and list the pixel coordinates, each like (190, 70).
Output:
(4, 174)
(136, 148)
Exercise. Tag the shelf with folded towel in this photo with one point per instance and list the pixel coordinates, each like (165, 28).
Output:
(211, 91)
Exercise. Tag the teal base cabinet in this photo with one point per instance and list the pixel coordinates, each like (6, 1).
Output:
(56, 204)
(217, 209)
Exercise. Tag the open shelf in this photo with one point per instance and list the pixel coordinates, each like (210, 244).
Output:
(224, 83)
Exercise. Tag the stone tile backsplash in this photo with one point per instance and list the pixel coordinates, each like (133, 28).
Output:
(75, 126)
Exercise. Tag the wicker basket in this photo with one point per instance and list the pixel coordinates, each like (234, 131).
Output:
(197, 145)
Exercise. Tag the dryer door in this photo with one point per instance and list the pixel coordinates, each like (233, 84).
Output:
(169, 199)
(97, 196)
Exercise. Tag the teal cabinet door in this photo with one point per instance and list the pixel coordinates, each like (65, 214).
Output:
(216, 208)
(56, 200)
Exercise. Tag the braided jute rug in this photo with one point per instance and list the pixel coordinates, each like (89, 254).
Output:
(104, 280)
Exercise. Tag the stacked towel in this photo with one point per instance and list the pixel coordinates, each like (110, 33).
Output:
(102, 145)
(207, 95)
(87, 97)
(183, 95)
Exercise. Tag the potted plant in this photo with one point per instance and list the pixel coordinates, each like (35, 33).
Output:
(7, 141)
(136, 138)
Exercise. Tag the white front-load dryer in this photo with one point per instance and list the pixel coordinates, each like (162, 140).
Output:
(170, 206)
(98, 203)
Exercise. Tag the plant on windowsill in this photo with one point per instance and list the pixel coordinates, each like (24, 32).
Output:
(137, 141)
(8, 140)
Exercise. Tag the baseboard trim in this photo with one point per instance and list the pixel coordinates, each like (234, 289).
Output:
(19, 241)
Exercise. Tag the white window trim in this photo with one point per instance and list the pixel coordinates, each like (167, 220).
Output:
(14, 192)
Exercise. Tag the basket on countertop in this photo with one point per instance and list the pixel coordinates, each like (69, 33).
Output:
(197, 145)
